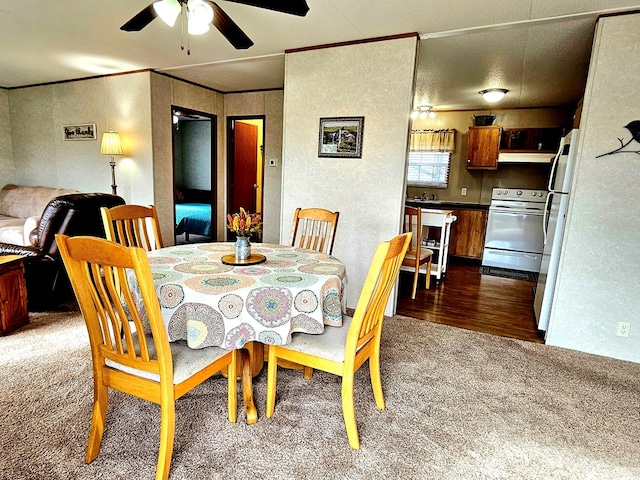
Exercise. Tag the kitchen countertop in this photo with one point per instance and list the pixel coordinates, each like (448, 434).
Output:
(443, 204)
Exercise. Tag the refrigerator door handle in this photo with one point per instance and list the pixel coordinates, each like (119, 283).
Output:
(554, 165)
(545, 217)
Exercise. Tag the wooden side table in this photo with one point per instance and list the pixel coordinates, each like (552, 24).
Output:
(13, 293)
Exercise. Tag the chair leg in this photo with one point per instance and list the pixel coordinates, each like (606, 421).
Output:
(376, 381)
(428, 280)
(167, 432)
(272, 370)
(100, 401)
(232, 387)
(308, 373)
(415, 283)
(348, 411)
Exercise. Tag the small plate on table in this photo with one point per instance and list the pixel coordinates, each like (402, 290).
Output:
(253, 259)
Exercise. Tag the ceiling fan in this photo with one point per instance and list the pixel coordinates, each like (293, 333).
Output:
(198, 14)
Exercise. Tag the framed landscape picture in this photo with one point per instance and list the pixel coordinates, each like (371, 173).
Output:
(341, 137)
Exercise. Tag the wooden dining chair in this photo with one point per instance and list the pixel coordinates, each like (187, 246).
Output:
(314, 229)
(133, 226)
(416, 255)
(130, 349)
(342, 350)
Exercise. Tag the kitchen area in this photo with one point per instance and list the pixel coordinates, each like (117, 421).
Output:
(586, 294)
(469, 189)
(495, 203)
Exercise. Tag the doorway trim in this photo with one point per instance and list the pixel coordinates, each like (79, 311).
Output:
(213, 155)
(231, 121)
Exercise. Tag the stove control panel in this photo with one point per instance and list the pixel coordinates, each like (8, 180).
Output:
(522, 194)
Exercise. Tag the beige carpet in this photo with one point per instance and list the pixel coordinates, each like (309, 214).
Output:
(460, 405)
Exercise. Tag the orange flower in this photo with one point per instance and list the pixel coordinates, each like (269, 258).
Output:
(243, 224)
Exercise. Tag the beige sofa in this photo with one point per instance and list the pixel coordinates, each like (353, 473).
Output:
(21, 208)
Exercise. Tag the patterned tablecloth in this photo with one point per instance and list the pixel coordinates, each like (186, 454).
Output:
(209, 303)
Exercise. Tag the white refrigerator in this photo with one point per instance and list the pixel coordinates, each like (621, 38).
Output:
(553, 225)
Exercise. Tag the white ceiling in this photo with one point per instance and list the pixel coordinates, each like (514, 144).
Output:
(538, 49)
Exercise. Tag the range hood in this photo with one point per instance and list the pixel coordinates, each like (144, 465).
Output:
(504, 157)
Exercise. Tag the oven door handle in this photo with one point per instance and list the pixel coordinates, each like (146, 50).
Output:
(511, 211)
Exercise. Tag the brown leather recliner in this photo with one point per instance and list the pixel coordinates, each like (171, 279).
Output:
(74, 214)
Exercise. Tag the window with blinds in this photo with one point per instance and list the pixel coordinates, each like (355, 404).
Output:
(430, 158)
(428, 169)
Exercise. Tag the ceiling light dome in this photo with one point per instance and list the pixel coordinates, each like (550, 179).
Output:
(423, 111)
(493, 95)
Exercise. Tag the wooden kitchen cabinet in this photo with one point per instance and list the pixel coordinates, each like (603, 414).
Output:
(483, 145)
(467, 233)
(535, 140)
(13, 294)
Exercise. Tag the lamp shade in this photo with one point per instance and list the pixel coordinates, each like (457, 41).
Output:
(111, 143)
(199, 17)
(195, 27)
(168, 11)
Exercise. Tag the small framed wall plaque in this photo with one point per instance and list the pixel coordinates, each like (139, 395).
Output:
(341, 137)
(83, 131)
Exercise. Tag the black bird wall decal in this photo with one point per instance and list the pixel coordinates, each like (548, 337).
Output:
(634, 128)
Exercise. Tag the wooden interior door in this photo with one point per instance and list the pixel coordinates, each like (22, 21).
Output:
(244, 180)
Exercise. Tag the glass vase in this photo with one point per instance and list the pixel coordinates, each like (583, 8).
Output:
(243, 248)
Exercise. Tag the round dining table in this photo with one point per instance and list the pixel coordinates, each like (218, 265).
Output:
(208, 299)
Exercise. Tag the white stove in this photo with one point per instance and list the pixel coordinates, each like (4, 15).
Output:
(514, 237)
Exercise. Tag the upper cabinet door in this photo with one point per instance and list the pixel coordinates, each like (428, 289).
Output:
(483, 146)
(531, 140)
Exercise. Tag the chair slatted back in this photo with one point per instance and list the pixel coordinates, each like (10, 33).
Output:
(133, 226)
(314, 229)
(382, 275)
(98, 272)
(413, 224)
(416, 255)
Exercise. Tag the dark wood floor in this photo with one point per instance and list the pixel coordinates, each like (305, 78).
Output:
(466, 299)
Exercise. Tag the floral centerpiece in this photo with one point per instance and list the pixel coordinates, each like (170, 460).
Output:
(244, 224)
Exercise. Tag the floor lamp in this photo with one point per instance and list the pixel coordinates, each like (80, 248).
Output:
(111, 145)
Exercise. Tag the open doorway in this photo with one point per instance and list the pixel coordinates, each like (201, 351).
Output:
(194, 174)
(245, 163)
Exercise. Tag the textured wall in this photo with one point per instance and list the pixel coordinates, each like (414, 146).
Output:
(7, 170)
(42, 157)
(598, 277)
(196, 148)
(269, 104)
(166, 92)
(374, 80)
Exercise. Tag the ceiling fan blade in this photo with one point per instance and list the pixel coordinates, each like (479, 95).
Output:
(229, 29)
(141, 20)
(293, 7)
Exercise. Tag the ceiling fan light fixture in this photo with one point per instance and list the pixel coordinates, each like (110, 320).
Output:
(493, 95)
(200, 11)
(168, 11)
(200, 15)
(197, 28)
